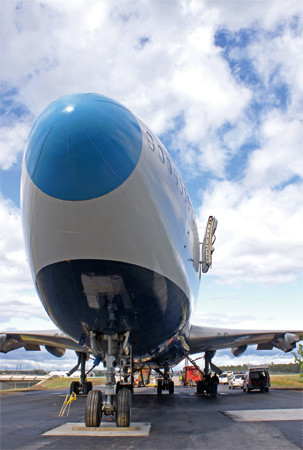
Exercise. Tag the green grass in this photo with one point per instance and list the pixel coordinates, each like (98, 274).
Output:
(293, 380)
(58, 382)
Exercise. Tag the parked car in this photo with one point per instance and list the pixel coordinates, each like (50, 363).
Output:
(236, 381)
(230, 373)
(223, 378)
(256, 378)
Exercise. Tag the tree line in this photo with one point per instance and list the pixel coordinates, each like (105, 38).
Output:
(273, 368)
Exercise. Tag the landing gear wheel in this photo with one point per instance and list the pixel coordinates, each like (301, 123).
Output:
(171, 387)
(93, 411)
(74, 387)
(128, 386)
(123, 406)
(159, 387)
(87, 387)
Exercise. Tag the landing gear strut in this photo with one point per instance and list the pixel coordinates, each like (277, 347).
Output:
(115, 352)
(165, 383)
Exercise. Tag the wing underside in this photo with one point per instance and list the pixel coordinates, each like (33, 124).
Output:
(200, 339)
(203, 339)
(55, 342)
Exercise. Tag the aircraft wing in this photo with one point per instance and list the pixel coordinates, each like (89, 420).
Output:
(202, 339)
(55, 342)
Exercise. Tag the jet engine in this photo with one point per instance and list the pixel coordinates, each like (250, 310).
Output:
(55, 351)
(287, 342)
(237, 351)
(7, 344)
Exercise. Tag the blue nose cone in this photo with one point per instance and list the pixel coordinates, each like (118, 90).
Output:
(83, 146)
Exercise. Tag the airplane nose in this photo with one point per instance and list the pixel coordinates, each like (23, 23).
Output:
(83, 146)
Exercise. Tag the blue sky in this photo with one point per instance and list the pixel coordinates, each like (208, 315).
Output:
(221, 84)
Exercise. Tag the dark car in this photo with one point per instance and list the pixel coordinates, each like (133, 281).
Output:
(256, 378)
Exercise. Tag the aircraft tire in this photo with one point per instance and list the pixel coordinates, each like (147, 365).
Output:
(93, 410)
(123, 407)
(159, 387)
(87, 387)
(74, 387)
(171, 387)
(129, 386)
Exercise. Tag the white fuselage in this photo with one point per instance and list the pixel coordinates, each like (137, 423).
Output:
(146, 222)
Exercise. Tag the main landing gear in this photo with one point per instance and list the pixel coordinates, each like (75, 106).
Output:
(117, 397)
(204, 385)
(165, 383)
(83, 386)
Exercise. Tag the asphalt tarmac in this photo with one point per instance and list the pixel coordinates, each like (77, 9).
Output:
(179, 421)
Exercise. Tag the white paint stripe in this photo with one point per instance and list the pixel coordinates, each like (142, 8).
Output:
(105, 429)
(263, 415)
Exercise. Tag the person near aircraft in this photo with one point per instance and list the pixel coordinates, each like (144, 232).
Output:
(262, 381)
(214, 385)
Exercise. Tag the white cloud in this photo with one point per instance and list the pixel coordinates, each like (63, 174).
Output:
(11, 243)
(224, 320)
(278, 60)
(18, 299)
(12, 143)
(281, 156)
(236, 14)
(33, 360)
(258, 236)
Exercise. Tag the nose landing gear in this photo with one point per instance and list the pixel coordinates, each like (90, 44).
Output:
(117, 397)
(93, 411)
(123, 407)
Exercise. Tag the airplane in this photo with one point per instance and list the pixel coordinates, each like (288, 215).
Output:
(114, 250)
